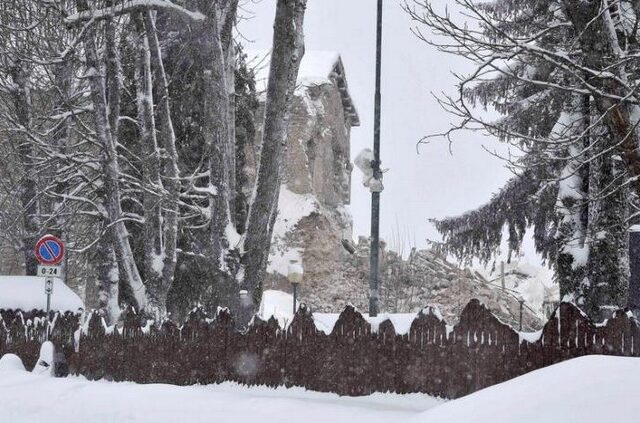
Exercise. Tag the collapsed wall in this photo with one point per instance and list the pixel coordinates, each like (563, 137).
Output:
(314, 228)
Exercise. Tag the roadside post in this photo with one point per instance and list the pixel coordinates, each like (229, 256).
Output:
(633, 302)
(521, 301)
(49, 253)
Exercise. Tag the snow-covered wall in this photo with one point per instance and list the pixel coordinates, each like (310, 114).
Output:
(312, 217)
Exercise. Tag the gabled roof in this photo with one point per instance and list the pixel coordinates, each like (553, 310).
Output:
(27, 293)
(316, 68)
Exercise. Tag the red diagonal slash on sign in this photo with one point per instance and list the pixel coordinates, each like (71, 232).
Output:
(49, 250)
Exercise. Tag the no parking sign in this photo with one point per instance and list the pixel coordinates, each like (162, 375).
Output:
(49, 250)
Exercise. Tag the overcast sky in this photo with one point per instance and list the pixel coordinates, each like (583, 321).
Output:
(433, 183)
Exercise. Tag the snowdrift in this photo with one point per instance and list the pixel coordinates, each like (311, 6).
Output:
(590, 389)
(27, 398)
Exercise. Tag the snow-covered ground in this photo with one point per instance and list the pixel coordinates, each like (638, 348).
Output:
(589, 389)
(31, 398)
(586, 390)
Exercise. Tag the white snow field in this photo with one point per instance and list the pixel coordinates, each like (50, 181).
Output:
(590, 389)
(586, 390)
(32, 398)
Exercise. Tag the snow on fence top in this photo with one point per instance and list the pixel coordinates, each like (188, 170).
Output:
(278, 304)
(316, 68)
(27, 293)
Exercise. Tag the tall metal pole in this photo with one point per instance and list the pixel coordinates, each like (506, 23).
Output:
(295, 298)
(48, 288)
(521, 301)
(377, 173)
(633, 301)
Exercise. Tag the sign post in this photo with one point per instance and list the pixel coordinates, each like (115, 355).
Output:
(633, 301)
(49, 252)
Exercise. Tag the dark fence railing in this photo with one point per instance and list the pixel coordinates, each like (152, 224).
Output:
(352, 360)
(22, 333)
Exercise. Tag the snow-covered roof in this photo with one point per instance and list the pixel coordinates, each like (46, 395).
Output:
(316, 68)
(27, 293)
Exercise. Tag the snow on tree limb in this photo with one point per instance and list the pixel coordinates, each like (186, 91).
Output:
(129, 6)
(478, 233)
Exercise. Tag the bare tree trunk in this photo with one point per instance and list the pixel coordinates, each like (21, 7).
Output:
(108, 277)
(288, 49)
(28, 192)
(230, 65)
(167, 141)
(103, 114)
(153, 191)
(227, 16)
(216, 133)
(114, 72)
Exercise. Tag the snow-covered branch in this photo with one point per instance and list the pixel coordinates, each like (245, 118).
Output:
(130, 6)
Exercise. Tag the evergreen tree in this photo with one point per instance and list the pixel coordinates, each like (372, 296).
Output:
(573, 177)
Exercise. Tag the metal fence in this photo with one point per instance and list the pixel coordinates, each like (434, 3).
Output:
(431, 358)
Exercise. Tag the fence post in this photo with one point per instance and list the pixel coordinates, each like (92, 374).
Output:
(634, 266)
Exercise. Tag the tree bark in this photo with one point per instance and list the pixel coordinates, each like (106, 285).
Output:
(28, 192)
(216, 132)
(288, 49)
(227, 16)
(166, 141)
(108, 278)
(600, 48)
(107, 138)
(153, 191)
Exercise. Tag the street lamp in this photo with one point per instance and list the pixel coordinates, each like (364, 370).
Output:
(245, 306)
(294, 274)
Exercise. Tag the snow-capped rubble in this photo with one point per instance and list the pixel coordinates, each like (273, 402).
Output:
(533, 283)
(292, 208)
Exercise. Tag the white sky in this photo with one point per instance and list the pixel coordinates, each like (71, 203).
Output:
(430, 184)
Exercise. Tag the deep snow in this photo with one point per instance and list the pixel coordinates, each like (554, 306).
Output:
(31, 398)
(590, 389)
(587, 390)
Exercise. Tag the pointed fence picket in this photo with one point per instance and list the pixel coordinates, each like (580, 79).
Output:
(354, 359)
